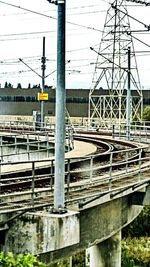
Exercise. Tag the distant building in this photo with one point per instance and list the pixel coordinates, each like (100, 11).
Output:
(24, 101)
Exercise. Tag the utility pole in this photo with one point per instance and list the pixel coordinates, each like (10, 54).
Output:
(60, 110)
(128, 117)
(59, 185)
(43, 67)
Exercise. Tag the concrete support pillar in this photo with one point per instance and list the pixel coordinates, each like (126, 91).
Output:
(107, 253)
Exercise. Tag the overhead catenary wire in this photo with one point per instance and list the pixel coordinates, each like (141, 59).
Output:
(20, 38)
(51, 17)
(39, 58)
(71, 50)
(68, 14)
(45, 11)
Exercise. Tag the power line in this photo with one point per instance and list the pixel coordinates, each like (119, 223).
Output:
(37, 57)
(18, 36)
(139, 2)
(85, 13)
(16, 72)
(28, 10)
(68, 14)
(25, 33)
(146, 26)
(129, 33)
(51, 17)
(37, 37)
(140, 41)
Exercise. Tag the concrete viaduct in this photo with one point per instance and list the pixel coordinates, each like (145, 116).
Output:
(94, 225)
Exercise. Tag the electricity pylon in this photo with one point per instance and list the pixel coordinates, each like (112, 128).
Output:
(111, 72)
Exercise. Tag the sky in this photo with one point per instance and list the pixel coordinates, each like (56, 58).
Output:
(21, 36)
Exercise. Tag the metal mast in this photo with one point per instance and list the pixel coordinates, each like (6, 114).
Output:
(43, 67)
(59, 185)
(111, 71)
(59, 195)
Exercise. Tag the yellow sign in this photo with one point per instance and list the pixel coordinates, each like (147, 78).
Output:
(42, 96)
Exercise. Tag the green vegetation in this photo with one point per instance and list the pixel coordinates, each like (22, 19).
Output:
(136, 242)
(29, 260)
(8, 85)
(136, 252)
(146, 113)
(8, 260)
(140, 226)
(19, 86)
(78, 260)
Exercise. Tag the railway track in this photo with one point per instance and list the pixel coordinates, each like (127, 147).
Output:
(115, 166)
(78, 167)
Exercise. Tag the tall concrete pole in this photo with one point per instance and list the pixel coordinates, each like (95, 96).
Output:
(129, 102)
(60, 110)
(43, 67)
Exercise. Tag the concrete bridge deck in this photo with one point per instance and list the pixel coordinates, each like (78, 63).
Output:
(96, 226)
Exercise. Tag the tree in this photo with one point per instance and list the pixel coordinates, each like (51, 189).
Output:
(146, 113)
(8, 85)
(36, 86)
(19, 85)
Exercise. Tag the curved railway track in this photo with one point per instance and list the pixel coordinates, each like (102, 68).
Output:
(114, 167)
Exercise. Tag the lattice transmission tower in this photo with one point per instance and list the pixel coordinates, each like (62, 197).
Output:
(111, 72)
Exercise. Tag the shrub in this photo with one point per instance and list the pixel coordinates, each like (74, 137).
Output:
(29, 260)
(136, 252)
(140, 226)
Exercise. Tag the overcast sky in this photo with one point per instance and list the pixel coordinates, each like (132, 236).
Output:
(21, 34)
